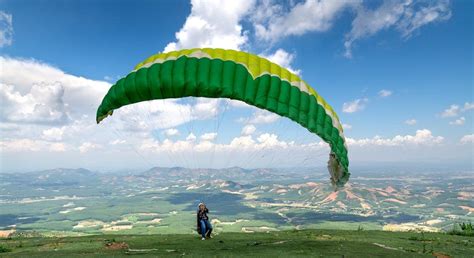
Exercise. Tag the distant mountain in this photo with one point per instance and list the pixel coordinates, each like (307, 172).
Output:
(52, 177)
(231, 174)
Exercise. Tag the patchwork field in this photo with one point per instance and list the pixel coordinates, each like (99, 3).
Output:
(72, 202)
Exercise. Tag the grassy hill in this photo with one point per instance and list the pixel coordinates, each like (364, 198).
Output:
(319, 243)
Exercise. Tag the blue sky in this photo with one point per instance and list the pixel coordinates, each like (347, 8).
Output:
(389, 68)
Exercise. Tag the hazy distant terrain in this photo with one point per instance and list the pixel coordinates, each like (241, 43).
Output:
(163, 200)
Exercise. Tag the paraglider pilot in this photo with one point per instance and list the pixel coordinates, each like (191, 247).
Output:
(203, 225)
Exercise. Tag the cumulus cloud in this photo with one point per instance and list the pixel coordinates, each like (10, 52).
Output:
(30, 145)
(468, 106)
(406, 16)
(57, 147)
(242, 143)
(262, 117)
(53, 134)
(411, 122)
(456, 110)
(452, 111)
(354, 106)
(283, 58)
(6, 29)
(117, 142)
(88, 146)
(268, 140)
(237, 103)
(205, 108)
(459, 121)
(244, 150)
(168, 113)
(146, 116)
(248, 129)
(272, 21)
(421, 137)
(171, 132)
(385, 93)
(18, 145)
(37, 93)
(467, 139)
(213, 24)
(191, 137)
(208, 136)
(42, 104)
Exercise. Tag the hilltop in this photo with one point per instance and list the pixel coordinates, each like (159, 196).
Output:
(324, 243)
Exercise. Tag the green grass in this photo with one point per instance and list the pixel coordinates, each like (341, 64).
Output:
(315, 243)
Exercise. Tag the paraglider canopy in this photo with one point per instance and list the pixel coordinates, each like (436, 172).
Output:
(219, 73)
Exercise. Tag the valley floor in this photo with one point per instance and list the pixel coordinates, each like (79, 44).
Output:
(315, 243)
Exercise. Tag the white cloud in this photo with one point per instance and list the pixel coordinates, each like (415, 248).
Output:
(452, 111)
(245, 151)
(459, 121)
(468, 106)
(57, 147)
(421, 137)
(209, 136)
(413, 19)
(205, 108)
(455, 110)
(88, 146)
(411, 122)
(354, 106)
(42, 104)
(265, 141)
(117, 142)
(262, 117)
(18, 145)
(243, 142)
(248, 129)
(42, 94)
(406, 16)
(44, 135)
(191, 137)
(467, 139)
(272, 23)
(346, 126)
(237, 103)
(204, 146)
(6, 29)
(283, 58)
(385, 93)
(171, 132)
(167, 113)
(30, 145)
(213, 24)
(53, 134)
